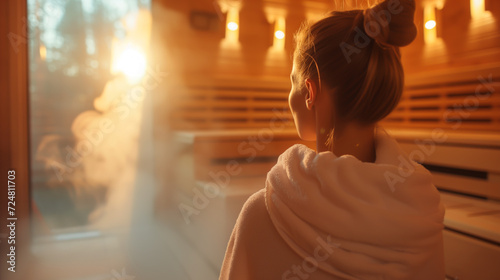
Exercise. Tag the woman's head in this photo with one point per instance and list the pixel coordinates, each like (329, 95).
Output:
(350, 60)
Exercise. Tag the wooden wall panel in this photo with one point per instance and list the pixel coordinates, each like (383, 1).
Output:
(462, 41)
(464, 49)
(189, 52)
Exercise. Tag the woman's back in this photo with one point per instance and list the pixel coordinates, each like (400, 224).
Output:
(331, 217)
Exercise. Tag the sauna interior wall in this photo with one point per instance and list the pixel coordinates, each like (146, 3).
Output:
(195, 58)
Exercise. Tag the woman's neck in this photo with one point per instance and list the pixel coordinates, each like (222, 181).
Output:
(350, 139)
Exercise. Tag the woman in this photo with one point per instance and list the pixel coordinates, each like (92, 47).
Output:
(357, 207)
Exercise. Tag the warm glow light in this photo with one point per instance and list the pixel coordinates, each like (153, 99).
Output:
(132, 63)
(233, 26)
(430, 24)
(43, 52)
(430, 30)
(279, 34)
(477, 8)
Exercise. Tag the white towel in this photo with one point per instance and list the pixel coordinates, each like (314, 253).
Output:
(341, 219)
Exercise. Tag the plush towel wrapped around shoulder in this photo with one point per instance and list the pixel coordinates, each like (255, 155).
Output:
(332, 217)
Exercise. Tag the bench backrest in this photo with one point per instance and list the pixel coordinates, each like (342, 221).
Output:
(465, 163)
(458, 105)
(462, 100)
(252, 152)
(241, 104)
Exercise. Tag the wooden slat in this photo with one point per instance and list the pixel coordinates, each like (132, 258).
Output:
(250, 104)
(223, 115)
(255, 169)
(480, 159)
(231, 149)
(450, 101)
(464, 126)
(229, 126)
(472, 88)
(471, 186)
(238, 93)
(459, 264)
(443, 114)
(271, 84)
(474, 216)
(191, 137)
(449, 137)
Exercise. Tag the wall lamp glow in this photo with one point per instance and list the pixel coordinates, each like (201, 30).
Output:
(477, 8)
(233, 26)
(430, 31)
(279, 34)
(430, 24)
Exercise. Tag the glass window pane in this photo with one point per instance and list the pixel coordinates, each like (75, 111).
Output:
(92, 188)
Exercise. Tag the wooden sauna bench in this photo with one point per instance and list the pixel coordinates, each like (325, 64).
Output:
(238, 153)
(249, 152)
(466, 170)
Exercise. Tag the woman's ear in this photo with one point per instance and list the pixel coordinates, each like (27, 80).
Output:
(311, 94)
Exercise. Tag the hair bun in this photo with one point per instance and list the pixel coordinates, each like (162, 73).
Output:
(391, 22)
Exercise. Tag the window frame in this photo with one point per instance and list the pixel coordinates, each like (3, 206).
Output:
(14, 124)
